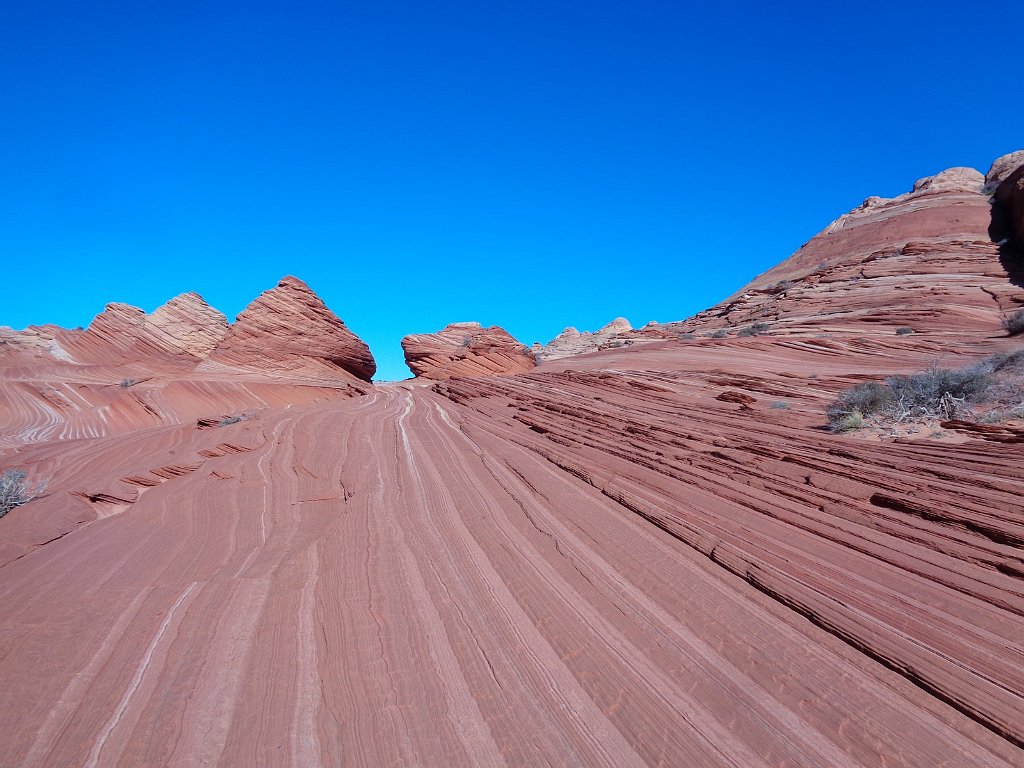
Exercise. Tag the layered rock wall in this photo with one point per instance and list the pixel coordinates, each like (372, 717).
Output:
(465, 350)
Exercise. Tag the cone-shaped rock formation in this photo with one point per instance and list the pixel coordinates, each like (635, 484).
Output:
(289, 327)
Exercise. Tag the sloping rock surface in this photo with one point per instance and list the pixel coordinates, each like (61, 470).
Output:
(649, 555)
(925, 261)
(465, 349)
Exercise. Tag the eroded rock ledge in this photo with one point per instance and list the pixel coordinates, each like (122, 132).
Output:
(465, 350)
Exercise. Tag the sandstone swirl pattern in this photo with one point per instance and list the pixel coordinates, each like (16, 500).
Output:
(465, 349)
(648, 555)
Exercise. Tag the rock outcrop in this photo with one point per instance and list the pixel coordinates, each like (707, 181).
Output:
(289, 328)
(185, 328)
(466, 350)
(1003, 167)
(925, 260)
(571, 342)
(183, 362)
(1009, 209)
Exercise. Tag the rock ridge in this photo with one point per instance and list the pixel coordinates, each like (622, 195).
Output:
(466, 350)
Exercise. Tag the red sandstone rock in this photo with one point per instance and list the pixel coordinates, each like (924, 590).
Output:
(603, 561)
(290, 328)
(1002, 168)
(924, 260)
(465, 349)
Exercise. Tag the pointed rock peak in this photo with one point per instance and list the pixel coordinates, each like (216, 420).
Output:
(569, 333)
(187, 323)
(571, 342)
(618, 325)
(289, 327)
(1003, 167)
(117, 313)
(465, 350)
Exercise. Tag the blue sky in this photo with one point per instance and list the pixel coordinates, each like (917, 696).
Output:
(529, 164)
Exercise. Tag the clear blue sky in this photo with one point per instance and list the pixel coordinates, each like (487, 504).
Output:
(530, 164)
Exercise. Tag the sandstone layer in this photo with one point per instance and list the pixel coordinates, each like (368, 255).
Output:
(571, 342)
(289, 327)
(925, 260)
(130, 370)
(648, 555)
(465, 349)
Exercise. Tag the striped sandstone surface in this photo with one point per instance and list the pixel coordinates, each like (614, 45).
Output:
(655, 554)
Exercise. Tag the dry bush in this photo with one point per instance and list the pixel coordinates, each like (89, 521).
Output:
(1014, 324)
(16, 490)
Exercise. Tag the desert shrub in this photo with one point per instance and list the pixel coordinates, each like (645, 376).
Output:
(867, 398)
(16, 490)
(687, 336)
(926, 389)
(997, 415)
(721, 333)
(847, 422)
(904, 331)
(937, 392)
(779, 405)
(231, 420)
(1014, 324)
(1004, 361)
(780, 287)
(126, 383)
(754, 330)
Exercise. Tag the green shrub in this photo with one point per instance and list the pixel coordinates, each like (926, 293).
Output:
(904, 331)
(846, 421)
(721, 333)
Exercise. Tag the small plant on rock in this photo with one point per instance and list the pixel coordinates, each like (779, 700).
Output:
(15, 490)
(126, 383)
(754, 330)
(1014, 324)
(904, 331)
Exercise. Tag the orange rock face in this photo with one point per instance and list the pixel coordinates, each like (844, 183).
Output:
(289, 327)
(465, 349)
(649, 555)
